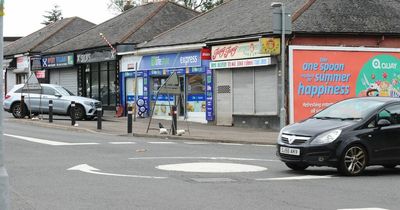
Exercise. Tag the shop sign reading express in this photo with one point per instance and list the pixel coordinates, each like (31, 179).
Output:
(171, 61)
(321, 76)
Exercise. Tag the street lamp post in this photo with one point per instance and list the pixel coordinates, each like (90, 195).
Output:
(4, 184)
(282, 112)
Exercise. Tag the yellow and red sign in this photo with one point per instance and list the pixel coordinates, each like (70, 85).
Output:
(320, 76)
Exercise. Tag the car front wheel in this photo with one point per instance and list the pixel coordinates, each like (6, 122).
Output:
(353, 161)
(79, 112)
(297, 166)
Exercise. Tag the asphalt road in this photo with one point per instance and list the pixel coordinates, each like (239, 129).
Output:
(64, 170)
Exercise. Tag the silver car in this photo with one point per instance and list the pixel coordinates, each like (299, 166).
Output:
(36, 101)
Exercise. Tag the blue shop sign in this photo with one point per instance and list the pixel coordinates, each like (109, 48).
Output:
(171, 61)
(58, 61)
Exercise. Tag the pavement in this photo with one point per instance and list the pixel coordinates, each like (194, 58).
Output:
(193, 131)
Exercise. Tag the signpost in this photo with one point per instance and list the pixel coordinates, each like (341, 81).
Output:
(4, 184)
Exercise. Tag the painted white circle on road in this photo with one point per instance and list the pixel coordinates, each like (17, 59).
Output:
(205, 167)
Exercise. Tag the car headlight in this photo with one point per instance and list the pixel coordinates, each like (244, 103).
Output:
(280, 136)
(89, 103)
(327, 137)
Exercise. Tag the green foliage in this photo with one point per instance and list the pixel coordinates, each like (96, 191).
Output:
(119, 6)
(200, 5)
(52, 16)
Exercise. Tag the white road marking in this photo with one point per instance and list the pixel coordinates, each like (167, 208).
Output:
(122, 142)
(207, 167)
(263, 145)
(196, 142)
(161, 142)
(48, 142)
(307, 177)
(365, 209)
(205, 158)
(89, 169)
(230, 144)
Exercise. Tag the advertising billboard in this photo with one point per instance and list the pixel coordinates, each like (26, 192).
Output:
(320, 76)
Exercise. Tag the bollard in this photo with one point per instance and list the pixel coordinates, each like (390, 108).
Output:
(130, 112)
(99, 114)
(72, 113)
(22, 106)
(50, 111)
(174, 120)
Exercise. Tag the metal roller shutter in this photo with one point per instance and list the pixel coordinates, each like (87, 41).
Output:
(243, 91)
(266, 91)
(65, 77)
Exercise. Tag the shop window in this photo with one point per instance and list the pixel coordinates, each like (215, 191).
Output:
(196, 89)
(113, 95)
(94, 86)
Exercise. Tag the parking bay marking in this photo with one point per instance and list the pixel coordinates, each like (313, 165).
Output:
(48, 142)
(91, 170)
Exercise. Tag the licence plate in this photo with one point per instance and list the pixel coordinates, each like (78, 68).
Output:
(290, 151)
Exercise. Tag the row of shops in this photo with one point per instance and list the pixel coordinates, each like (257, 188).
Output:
(223, 84)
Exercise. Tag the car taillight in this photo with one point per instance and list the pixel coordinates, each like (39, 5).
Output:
(7, 97)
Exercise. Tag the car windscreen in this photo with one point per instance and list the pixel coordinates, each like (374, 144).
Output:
(351, 109)
(63, 91)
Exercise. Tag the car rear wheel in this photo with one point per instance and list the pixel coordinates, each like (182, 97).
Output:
(297, 166)
(17, 110)
(353, 161)
(79, 112)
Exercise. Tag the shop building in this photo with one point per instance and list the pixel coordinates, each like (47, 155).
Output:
(23, 55)
(97, 66)
(245, 85)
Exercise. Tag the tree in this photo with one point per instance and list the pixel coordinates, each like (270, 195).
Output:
(119, 6)
(52, 16)
(198, 5)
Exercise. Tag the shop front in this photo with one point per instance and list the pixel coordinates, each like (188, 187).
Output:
(98, 77)
(246, 86)
(131, 78)
(193, 73)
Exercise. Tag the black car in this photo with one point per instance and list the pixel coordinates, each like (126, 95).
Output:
(349, 135)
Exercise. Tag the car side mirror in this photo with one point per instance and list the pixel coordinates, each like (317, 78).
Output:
(58, 95)
(383, 123)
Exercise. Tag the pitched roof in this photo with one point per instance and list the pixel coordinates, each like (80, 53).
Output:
(350, 16)
(240, 18)
(234, 18)
(48, 36)
(133, 26)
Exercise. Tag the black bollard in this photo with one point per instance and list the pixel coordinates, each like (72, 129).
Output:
(130, 112)
(72, 113)
(22, 106)
(50, 111)
(174, 120)
(99, 114)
